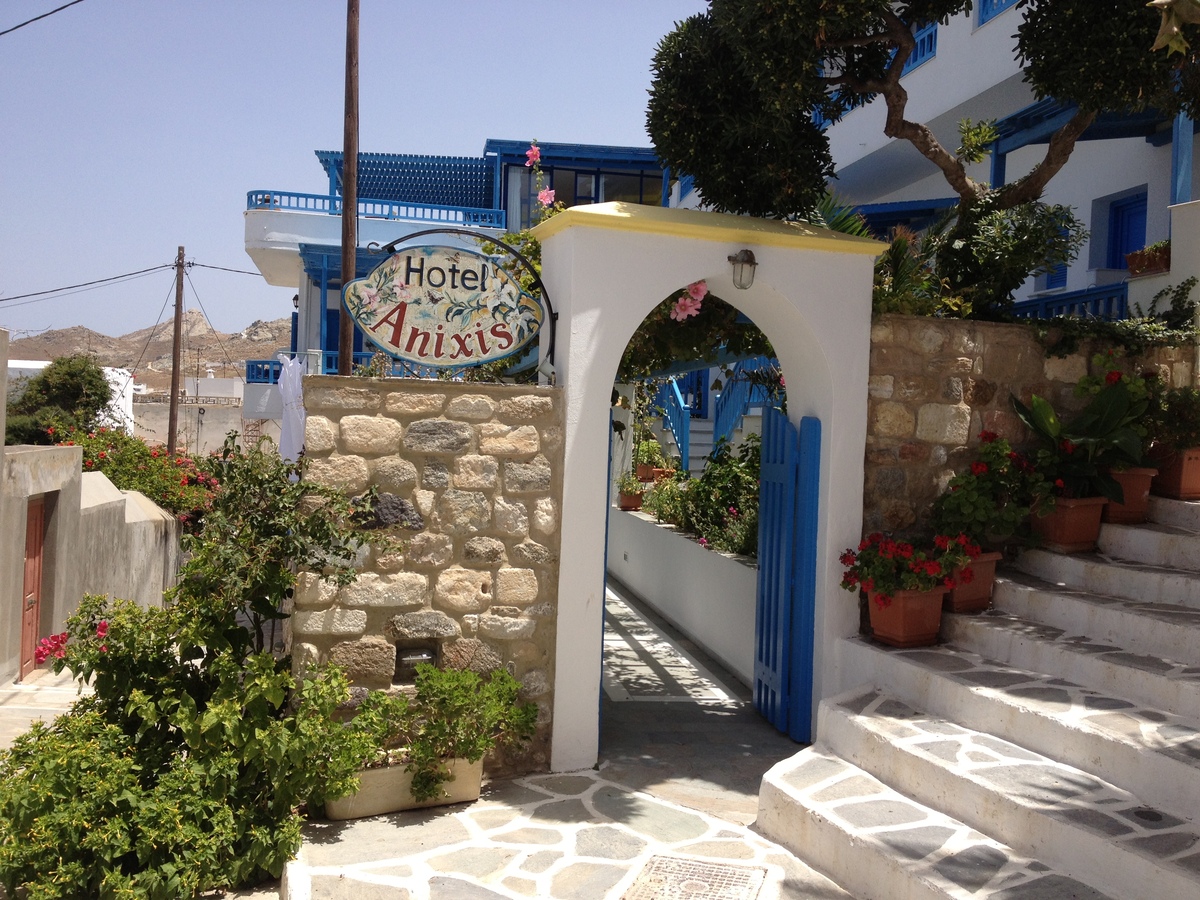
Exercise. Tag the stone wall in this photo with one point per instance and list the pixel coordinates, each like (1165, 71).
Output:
(936, 383)
(472, 474)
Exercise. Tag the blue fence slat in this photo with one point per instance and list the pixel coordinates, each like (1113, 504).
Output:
(1108, 301)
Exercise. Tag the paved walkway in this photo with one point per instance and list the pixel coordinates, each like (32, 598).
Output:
(41, 696)
(665, 814)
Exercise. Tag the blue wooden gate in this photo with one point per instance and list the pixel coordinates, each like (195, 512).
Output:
(787, 565)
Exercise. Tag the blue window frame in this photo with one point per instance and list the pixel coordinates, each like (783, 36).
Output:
(1126, 228)
(989, 9)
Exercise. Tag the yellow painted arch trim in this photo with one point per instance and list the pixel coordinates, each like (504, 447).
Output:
(707, 226)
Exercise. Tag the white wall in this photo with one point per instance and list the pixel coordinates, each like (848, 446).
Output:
(606, 266)
(709, 596)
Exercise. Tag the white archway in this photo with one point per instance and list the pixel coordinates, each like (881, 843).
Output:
(605, 267)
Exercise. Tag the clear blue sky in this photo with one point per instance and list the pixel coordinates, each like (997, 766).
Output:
(133, 126)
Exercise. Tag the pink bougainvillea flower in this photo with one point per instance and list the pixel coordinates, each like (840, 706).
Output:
(698, 290)
(533, 155)
(546, 197)
(684, 307)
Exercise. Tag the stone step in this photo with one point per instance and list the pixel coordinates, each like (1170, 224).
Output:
(1156, 629)
(1180, 513)
(1082, 826)
(1153, 544)
(1145, 678)
(1151, 753)
(1100, 574)
(879, 844)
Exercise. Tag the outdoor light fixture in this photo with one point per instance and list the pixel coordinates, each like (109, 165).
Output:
(743, 269)
(296, 301)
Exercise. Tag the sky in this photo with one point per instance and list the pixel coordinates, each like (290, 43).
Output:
(131, 127)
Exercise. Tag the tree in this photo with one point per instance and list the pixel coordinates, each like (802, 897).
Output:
(736, 89)
(70, 392)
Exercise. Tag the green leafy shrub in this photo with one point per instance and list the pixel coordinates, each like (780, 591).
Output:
(70, 392)
(185, 770)
(722, 504)
(990, 500)
(666, 500)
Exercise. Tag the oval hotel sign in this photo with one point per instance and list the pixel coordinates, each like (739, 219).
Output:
(443, 306)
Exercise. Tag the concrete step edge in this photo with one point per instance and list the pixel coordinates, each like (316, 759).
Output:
(1083, 826)
(877, 843)
(1114, 577)
(1152, 544)
(1180, 513)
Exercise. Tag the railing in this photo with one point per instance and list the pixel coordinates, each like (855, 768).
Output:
(694, 385)
(266, 371)
(737, 396)
(1109, 301)
(377, 209)
(263, 371)
(677, 417)
(926, 48)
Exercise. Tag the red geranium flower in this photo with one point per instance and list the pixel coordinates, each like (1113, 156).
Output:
(1112, 377)
(978, 468)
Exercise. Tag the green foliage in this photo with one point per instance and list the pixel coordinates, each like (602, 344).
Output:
(667, 499)
(455, 714)
(989, 501)
(976, 140)
(1180, 314)
(177, 484)
(649, 453)
(722, 504)
(184, 771)
(70, 392)
(1175, 327)
(883, 566)
(1173, 419)
(905, 281)
(627, 483)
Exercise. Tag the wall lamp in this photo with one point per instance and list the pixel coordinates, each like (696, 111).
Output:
(744, 264)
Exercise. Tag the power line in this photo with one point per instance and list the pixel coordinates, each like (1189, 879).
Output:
(216, 334)
(71, 287)
(35, 18)
(223, 269)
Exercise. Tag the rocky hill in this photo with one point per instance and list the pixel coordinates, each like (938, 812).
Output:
(148, 352)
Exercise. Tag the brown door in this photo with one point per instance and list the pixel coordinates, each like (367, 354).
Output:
(31, 593)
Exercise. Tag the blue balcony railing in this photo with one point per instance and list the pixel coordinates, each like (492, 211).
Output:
(266, 371)
(738, 396)
(378, 209)
(1109, 301)
(677, 417)
(926, 49)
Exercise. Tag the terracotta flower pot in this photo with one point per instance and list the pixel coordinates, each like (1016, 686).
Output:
(644, 472)
(911, 619)
(974, 595)
(1072, 526)
(389, 789)
(1178, 474)
(629, 501)
(1135, 485)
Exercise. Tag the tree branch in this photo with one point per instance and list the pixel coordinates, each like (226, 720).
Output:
(1062, 143)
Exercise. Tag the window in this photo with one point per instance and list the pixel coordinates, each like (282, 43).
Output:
(989, 9)
(1126, 228)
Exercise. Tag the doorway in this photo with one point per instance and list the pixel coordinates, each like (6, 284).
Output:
(31, 588)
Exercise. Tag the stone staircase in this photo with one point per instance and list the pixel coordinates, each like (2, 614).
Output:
(1049, 748)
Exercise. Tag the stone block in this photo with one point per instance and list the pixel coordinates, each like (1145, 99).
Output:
(313, 592)
(952, 389)
(402, 590)
(320, 436)
(1068, 369)
(348, 474)
(463, 590)
(471, 654)
(930, 338)
(978, 392)
(526, 408)
(305, 657)
(393, 474)
(898, 515)
(486, 550)
(940, 423)
(529, 654)
(338, 400)
(533, 477)
(392, 511)
(534, 684)
(464, 512)
(329, 621)
(476, 472)
(429, 549)
(505, 440)
(370, 661)
(503, 628)
(435, 476)
(438, 436)
(893, 420)
(512, 518)
(516, 587)
(531, 553)
(881, 332)
(552, 439)
(427, 625)
(472, 407)
(881, 386)
(389, 562)
(913, 451)
(545, 515)
(425, 501)
(370, 435)
(405, 403)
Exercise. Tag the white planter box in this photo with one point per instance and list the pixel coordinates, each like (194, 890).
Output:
(389, 789)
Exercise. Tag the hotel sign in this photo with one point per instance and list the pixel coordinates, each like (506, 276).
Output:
(443, 306)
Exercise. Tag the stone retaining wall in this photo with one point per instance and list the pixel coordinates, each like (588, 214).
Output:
(471, 477)
(936, 383)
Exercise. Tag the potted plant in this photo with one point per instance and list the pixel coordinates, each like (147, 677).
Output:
(629, 492)
(905, 584)
(428, 749)
(988, 502)
(1076, 459)
(648, 457)
(1174, 426)
(1152, 259)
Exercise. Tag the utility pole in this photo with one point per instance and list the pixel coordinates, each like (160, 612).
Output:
(173, 416)
(349, 189)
